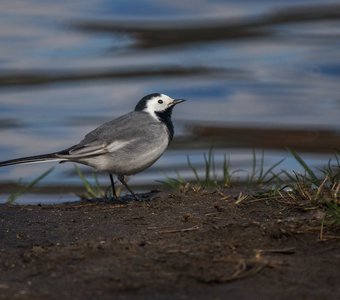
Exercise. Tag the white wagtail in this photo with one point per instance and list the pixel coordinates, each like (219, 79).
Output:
(124, 146)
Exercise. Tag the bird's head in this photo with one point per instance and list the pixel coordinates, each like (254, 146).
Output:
(157, 105)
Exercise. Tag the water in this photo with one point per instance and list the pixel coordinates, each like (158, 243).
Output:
(261, 75)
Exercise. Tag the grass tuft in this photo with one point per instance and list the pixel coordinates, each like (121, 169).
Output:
(211, 178)
(259, 175)
(309, 174)
(92, 190)
(317, 191)
(95, 190)
(15, 195)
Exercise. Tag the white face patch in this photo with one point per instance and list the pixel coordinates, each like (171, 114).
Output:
(159, 103)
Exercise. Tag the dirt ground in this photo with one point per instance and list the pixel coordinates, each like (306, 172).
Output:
(199, 245)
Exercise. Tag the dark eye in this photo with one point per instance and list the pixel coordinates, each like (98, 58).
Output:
(160, 101)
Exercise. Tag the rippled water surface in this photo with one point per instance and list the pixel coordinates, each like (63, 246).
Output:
(256, 74)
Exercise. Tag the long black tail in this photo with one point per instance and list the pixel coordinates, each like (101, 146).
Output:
(31, 159)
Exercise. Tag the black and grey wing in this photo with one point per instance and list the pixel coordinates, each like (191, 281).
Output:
(110, 136)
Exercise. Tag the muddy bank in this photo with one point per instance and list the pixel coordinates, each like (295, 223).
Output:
(195, 246)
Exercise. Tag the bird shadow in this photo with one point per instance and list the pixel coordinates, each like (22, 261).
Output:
(124, 199)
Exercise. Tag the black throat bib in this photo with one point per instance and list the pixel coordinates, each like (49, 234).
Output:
(165, 117)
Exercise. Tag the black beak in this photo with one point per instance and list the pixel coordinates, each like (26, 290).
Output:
(177, 101)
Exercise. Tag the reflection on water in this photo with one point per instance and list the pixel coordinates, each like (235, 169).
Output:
(257, 75)
(150, 34)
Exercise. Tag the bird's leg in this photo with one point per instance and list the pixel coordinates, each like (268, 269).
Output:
(122, 180)
(113, 186)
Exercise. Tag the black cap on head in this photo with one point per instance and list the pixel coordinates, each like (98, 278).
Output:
(141, 105)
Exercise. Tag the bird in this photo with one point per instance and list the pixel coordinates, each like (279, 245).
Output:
(124, 146)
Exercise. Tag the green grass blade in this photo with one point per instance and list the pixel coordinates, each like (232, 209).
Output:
(170, 182)
(289, 176)
(253, 171)
(198, 180)
(270, 171)
(261, 177)
(207, 169)
(92, 190)
(13, 196)
(307, 169)
(97, 187)
(226, 171)
(209, 166)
